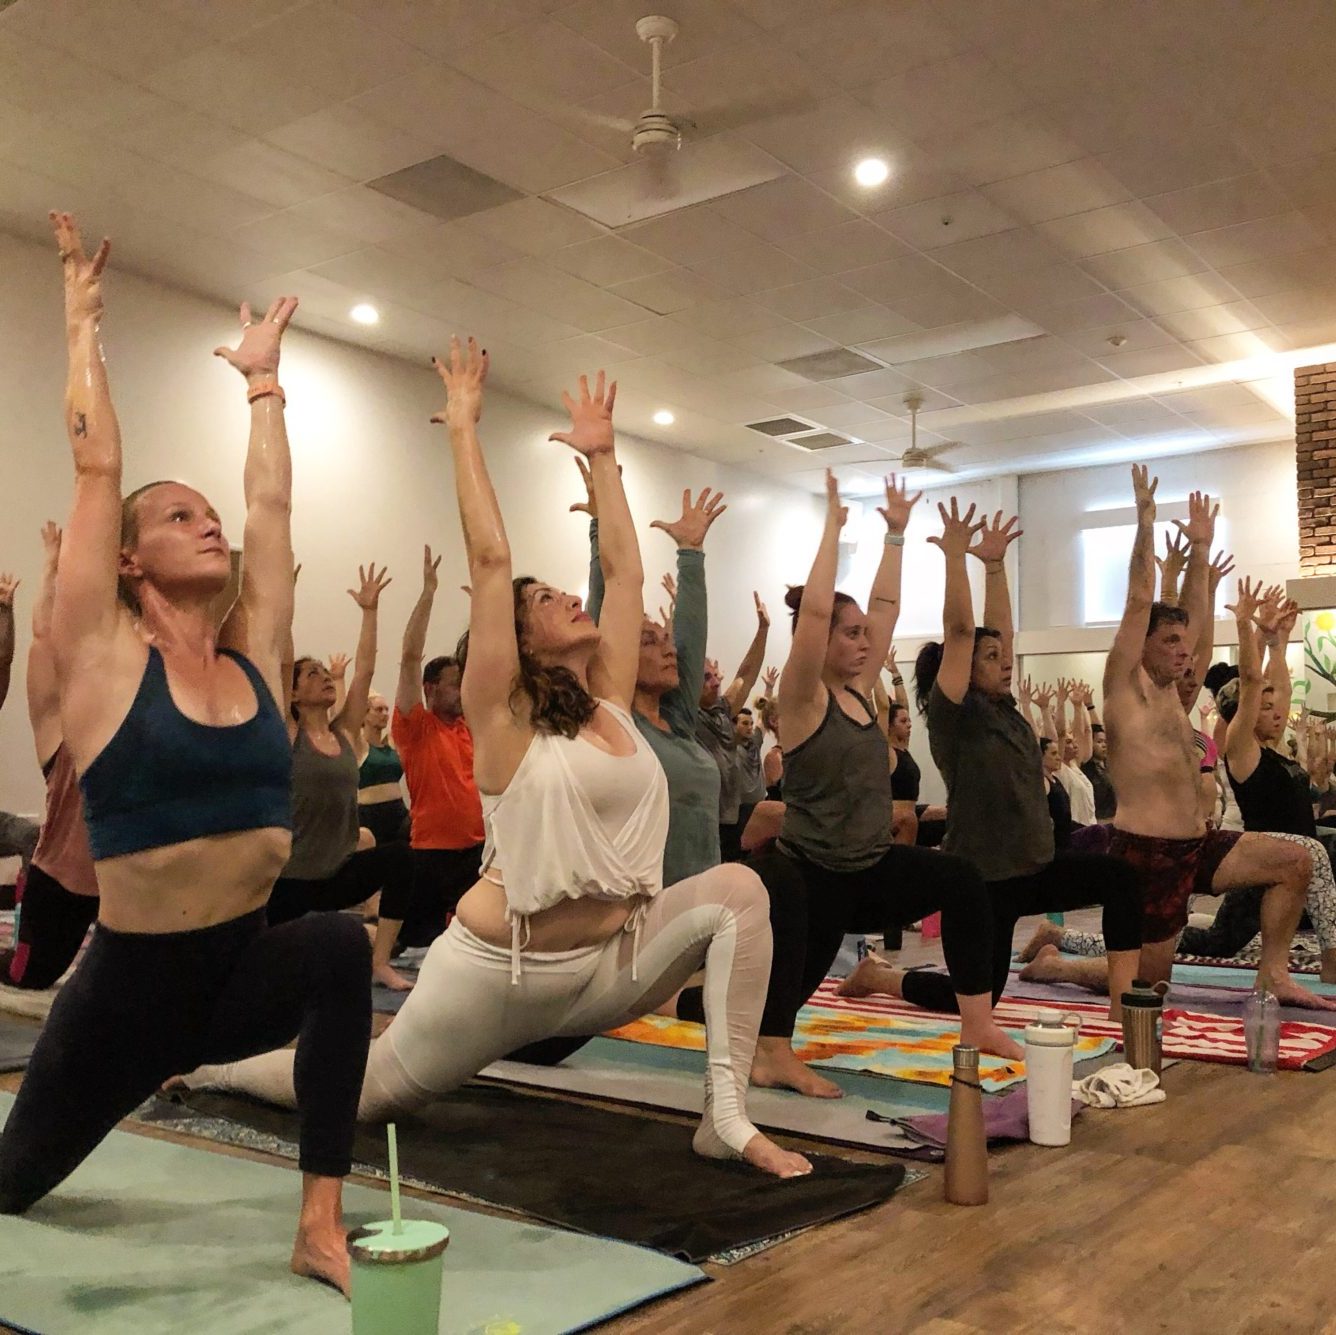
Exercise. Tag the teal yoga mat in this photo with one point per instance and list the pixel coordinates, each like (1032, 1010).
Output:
(1209, 975)
(149, 1237)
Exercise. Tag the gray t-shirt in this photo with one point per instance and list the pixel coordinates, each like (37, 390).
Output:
(751, 781)
(715, 732)
(996, 808)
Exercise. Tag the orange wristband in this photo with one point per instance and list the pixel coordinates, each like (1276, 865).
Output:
(264, 388)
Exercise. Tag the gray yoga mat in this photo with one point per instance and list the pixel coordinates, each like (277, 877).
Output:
(16, 1042)
(149, 1237)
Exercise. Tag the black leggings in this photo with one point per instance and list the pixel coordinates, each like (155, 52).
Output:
(441, 876)
(1070, 881)
(143, 1007)
(52, 924)
(811, 908)
(1237, 921)
(388, 821)
(387, 868)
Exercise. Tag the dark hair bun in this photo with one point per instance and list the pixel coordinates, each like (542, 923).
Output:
(793, 597)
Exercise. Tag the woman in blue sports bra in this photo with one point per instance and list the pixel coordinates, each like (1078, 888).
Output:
(184, 762)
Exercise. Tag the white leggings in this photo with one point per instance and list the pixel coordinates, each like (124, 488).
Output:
(466, 1013)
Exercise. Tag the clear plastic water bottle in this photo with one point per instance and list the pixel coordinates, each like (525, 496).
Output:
(1261, 1030)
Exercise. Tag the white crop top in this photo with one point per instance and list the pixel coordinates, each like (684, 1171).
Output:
(576, 822)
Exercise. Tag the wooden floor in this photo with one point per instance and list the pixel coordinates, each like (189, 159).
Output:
(1212, 1212)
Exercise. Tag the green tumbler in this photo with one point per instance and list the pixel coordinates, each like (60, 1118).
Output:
(397, 1277)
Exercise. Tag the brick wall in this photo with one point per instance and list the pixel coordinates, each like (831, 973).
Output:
(1315, 456)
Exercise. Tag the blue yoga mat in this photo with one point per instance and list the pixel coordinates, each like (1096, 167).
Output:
(149, 1237)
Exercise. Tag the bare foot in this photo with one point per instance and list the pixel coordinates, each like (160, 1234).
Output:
(1045, 934)
(1290, 993)
(388, 976)
(762, 1152)
(776, 1066)
(323, 1254)
(871, 975)
(1328, 970)
(1040, 967)
(992, 1039)
(174, 1085)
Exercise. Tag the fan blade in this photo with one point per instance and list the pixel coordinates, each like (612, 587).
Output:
(941, 468)
(932, 451)
(737, 115)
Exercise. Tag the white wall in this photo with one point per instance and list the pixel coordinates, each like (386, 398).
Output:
(372, 479)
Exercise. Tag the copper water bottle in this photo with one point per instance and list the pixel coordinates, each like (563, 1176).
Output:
(966, 1142)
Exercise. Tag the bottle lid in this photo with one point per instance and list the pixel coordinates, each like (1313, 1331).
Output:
(1049, 1033)
(1146, 1000)
(417, 1240)
(965, 1059)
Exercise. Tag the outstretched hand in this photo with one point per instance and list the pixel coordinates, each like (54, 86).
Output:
(257, 353)
(689, 531)
(51, 536)
(430, 570)
(670, 588)
(1174, 559)
(338, 666)
(83, 276)
(835, 508)
(8, 584)
(463, 379)
(1200, 526)
(1143, 488)
(1247, 602)
(371, 585)
(1026, 691)
(762, 616)
(995, 537)
(770, 680)
(957, 530)
(899, 505)
(591, 418)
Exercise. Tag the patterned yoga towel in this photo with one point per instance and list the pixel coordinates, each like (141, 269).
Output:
(863, 1035)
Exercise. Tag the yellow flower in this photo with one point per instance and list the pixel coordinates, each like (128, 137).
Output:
(1325, 620)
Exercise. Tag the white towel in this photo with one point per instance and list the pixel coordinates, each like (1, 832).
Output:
(1118, 1086)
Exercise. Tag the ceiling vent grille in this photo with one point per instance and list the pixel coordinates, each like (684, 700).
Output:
(782, 426)
(820, 440)
(444, 188)
(832, 364)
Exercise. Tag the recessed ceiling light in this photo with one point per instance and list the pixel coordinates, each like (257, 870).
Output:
(664, 418)
(871, 171)
(365, 313)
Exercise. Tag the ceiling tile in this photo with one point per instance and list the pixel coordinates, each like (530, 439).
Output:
(1219, 203)
(952, 94)
(879, 387)
(350, 142)
(811, 300)
(1232, 317)
(1056, 192)
(1147, 263)
(850, 416)
(1011, 146)
(705, 26)
(1161, 164)
(1171, 295)
(865, 325)
(934, 400)
(1072, 317)
(945, 372)
(652, 336)
(175, 135)
(1117, 227)
(441, 27)
(1134, 335)
(1150, 361)
(913, 178)
(688, 235)
(362, 213)
(533, 226)
(752, 268)
(950, 303)
(1280, 273)
(290, 243)
(1258, 240)
(1308, 182)
(671, 291)
(850, 245)
(783, 342)
(946, 220)
(607, 260)
(830, 136)
(1001, 253)
(1308, 303)
(1030, 290)
(728, 318)
(743, 85)
(533, 283)
(785, 207)
(1238, 347)
(1309, 333)
(268, 173)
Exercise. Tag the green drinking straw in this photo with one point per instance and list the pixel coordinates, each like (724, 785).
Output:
(394, 1179)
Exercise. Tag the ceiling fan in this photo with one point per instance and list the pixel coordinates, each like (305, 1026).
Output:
(680, 158)
(917, 456)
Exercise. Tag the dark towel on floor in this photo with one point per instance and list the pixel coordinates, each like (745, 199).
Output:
(612, 1174)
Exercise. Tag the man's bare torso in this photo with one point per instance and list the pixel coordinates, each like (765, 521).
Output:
(1153, 761)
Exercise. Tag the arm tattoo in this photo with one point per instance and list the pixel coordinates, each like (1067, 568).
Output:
(80, 424)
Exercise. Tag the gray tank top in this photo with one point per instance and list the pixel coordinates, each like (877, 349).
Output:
(324, 809)
(837, 792)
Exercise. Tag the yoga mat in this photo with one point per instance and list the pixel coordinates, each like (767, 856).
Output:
(16, 1042)
(149, 1237)
(647, 1076)
(626, 1177)
(902, 1042)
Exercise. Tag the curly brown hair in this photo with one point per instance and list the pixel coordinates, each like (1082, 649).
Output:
(558, 703)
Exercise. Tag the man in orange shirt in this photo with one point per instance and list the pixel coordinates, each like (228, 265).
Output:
(436, 749)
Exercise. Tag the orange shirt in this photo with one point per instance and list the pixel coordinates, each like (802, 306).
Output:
(438, 765)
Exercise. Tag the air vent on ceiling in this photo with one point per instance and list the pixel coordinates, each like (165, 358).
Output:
(781, 426)
(445, 188)
(820, 440)
(831, 365)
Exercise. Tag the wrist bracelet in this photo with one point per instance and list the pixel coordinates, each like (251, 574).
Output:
(895, 539)
(1091, 708)
(897, 681)
(263, 389)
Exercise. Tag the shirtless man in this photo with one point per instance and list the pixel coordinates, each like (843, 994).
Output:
(1154, 765)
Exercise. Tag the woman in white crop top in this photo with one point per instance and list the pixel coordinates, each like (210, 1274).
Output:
(570, 931)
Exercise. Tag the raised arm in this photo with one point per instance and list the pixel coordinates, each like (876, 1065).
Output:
(1060, 698)
(990, 546)
(367, 596)
(408, 692)
(260, 622)
(594, 603)
(338, 670)
(1171, 566)
(897, 679)
(750, 667)
(1196, 600)
(1275, 620)
(43, 684)
(8, 584)
(86, 611)
(958, 532)
(1025, 694)
(800, 686)
(1045, 697)
(689, 612)
(612, 674)
(1242, 749)
(1129, 642)
(883, 605)
(1081, 730)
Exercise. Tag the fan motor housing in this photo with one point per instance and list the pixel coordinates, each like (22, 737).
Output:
(656, 130)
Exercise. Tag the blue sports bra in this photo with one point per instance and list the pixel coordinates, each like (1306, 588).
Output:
(164, 778)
